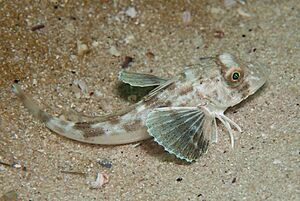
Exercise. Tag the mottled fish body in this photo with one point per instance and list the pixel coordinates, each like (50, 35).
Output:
(179, 113)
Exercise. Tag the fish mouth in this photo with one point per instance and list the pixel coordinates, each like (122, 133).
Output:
(257, 76)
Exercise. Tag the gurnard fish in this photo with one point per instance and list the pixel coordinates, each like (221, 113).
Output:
(179, 113)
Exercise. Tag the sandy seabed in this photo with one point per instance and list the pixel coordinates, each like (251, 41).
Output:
(52, 46)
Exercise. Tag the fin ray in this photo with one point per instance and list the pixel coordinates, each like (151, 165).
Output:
(161, 87)
(140, 80)
(184, 132)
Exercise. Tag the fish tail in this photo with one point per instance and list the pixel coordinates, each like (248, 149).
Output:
(32, 107)
(110, 131)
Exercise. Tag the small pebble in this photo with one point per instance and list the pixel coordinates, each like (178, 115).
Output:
(136, 145)
(2, 169)
(243, 13)
(129, 38)
(81, 85)
(16, 165)
(219, 34)
(102, 178)
(229, 3)
(216, 11)
(186, 17)
(34, 82)
(95, 43)
(127, 62)
(105, 163)
(242, 2)
(150, 55)
(197, 41)
(82, 48)
(276, 161)
(113, 51)
(179, 179)
(264, 136)
(98, 93)
(131, 12)
(37, 27)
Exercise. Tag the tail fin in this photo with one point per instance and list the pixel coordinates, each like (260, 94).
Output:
(105, 132)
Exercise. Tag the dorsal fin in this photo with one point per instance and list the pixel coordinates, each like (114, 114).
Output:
(140, 80)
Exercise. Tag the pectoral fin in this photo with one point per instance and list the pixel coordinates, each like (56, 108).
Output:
(182, 131)
(140, 80)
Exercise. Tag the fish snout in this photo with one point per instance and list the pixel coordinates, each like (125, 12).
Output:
(257, 76)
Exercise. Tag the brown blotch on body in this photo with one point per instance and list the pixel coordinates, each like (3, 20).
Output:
(186, 89)
(114, 120)
(58, 128)
(87, 131)
(171, 87)
(133, 126)
(167, 103)
(183, 104)
(244, 89)
(200, 95)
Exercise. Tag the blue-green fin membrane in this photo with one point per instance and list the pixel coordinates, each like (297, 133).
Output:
(182, 131)
(140, 80)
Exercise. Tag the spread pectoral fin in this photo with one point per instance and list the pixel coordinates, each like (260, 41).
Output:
(182, 131)
(140, 80)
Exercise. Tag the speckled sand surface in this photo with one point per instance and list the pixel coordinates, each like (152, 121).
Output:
(265, 165)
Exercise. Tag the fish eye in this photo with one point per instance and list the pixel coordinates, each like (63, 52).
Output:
(235, 76)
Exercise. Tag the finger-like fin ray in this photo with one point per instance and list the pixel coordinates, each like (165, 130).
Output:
(226, 122)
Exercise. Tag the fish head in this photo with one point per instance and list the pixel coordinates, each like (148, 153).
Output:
(238, 79)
